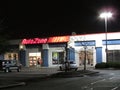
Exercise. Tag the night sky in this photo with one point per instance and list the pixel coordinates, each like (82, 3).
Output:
(41, 18)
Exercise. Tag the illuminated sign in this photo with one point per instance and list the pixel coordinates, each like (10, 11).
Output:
(58, 39)
(34, 41)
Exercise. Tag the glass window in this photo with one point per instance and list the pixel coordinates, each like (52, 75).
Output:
(114, 55)
(57, 57)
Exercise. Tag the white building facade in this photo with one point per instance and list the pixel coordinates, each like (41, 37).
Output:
(52, 51)
(95, 47)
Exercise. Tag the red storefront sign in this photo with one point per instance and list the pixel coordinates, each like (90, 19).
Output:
(58, 39)
(34, 41)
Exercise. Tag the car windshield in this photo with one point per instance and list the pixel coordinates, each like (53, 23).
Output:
(71, 62)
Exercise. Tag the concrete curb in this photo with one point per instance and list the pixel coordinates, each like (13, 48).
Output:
(67, 75)
(90, 73)
(13, 85)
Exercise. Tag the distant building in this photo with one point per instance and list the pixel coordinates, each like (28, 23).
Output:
(52, 51)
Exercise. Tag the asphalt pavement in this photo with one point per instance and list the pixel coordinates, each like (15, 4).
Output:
(44, 73)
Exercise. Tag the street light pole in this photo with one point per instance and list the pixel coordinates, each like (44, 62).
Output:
(106, 38)
(106, 15)
(85, 56)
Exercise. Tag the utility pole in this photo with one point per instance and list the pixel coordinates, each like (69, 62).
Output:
(66, 58)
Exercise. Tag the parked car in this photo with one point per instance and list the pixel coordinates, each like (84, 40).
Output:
(9, 65)
(68, 65)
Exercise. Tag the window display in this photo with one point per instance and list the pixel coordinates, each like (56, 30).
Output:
(89, 57)
(33, 58)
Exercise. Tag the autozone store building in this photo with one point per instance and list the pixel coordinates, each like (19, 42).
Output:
(52, 51)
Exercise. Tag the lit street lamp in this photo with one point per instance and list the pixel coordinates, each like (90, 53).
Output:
(106, 16)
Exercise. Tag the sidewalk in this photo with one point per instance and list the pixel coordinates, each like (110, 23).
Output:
(44, 72)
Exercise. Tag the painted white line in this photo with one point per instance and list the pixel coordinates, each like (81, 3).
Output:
(114, 88)
(97, 81)
(91, 88)
(112, 73)
(111, 78)
(85, 87)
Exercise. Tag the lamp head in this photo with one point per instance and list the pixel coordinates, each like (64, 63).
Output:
(106, 15)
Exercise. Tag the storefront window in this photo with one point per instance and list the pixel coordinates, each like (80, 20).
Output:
(11, 56)
(33, 58)
(113, 55)
(89, 57)
(57, 57)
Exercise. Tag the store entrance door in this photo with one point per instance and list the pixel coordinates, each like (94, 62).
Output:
(33, 58)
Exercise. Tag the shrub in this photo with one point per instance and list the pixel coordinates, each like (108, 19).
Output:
(108, 65)
(100, 65)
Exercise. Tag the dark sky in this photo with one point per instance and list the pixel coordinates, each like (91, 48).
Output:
(41, 18)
